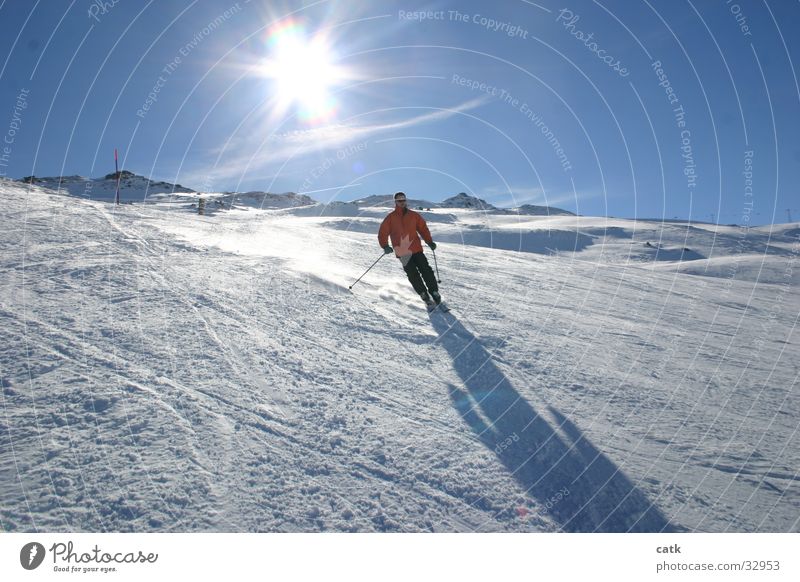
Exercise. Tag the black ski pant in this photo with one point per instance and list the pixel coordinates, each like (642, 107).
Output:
(420, 273)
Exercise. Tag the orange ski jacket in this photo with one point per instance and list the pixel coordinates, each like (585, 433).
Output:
(402, 226)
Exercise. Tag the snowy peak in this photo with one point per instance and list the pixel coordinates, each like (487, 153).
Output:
(463, 200)
(134, 182)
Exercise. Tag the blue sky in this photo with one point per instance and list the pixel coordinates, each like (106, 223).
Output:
(632, 109)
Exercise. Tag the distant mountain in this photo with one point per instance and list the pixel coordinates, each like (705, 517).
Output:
(387, 200)
(258, 199)
(463, 200)
(533, 210)
(136, 188)
(132, 187)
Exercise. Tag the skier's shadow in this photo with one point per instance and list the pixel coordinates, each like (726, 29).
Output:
(575, 483)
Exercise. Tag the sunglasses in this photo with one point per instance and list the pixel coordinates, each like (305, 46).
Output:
(399, 199)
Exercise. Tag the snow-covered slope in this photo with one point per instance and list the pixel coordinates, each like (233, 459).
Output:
(164, 371)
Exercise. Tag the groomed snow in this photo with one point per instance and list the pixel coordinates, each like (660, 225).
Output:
(165, 371)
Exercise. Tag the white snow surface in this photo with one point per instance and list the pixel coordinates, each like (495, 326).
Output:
(166, 371)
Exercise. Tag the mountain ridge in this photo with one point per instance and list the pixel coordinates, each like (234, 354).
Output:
(135, 187)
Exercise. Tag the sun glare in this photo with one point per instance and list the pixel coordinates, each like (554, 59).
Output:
(302, 71)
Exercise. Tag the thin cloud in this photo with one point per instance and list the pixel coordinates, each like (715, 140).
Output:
(238, 160)
(528, 195)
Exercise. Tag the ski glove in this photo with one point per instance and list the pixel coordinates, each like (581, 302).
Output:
(432, 245)
(387, 249)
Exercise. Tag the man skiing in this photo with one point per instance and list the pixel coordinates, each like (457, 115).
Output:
(402, 226)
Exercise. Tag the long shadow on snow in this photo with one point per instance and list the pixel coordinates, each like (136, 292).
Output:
(585, 491)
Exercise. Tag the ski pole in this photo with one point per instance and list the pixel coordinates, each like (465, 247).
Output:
(435, 264)
(367, 271)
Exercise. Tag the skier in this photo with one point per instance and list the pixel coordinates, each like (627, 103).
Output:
(402, 225)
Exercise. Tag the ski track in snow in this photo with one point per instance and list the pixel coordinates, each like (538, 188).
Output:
(164, 371)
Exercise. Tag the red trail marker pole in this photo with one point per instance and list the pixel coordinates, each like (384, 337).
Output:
(116, 167)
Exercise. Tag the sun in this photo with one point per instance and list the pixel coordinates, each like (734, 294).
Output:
(303, 72)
